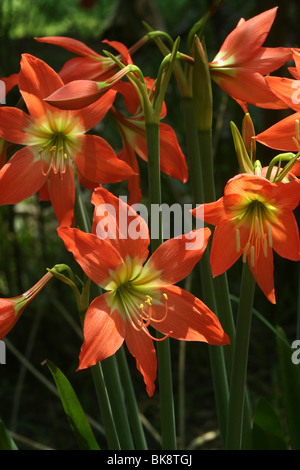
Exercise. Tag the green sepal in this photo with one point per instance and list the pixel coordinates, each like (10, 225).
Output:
(244, 160)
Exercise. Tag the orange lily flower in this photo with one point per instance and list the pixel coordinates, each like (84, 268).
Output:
(285, 134)
(253, 217)
(91, 65)
(241, 64)
(11, 309)
(54, 140)
(139, 293)
(132, 128)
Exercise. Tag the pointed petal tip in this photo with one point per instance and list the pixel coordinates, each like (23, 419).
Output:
(75, 95)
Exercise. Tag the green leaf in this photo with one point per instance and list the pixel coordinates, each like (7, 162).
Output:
(73, 409)
(6, 442)
(267, 431)
(290, 379)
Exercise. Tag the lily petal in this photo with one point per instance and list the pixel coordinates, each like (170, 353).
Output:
(188, 318)
(62, 195)
(13, 122)
(20, 177)
(95, 256)
(104, 333)
(175, 258)
(37, 77)
(70, 44)
(263, 272)
(91, 115)
(280, 135)
(224, 253)
(252, 32)
(97, 161)
(116, 221)
(141, 346)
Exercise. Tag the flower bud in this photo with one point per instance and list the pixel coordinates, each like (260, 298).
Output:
(11, 309)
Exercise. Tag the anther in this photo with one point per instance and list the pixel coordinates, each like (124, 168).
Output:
(270, 236)
(238, 240)
(258, 230)
(252, 256)
(246, 249)
(265, 246)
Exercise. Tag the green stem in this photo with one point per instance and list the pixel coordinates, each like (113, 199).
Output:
(218, 367)
(168, 428)
(116, 396)
(133, 411)
(105, 408)
(240, 360)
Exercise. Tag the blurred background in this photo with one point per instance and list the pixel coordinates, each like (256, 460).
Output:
(49, 327)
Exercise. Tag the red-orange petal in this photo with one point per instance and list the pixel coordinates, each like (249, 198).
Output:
(280, 135)
(13, 124)
(75, 95)
(96, 257)
(141, 346)
(8, 317)
(263, 273)
(62, 195)
(176, 257)
(188, 318)
(98, 162)
(117, 222)
(20, 177)
(70, 44)
(37, 77)
(103, 331)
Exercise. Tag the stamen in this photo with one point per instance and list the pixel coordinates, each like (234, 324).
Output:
(252, 256)
(246, 252)
(258, 230)
(53, 159)
(296, 143)
(265, 246)
(166, 311)
(238, 240)
(45, 168)
(270, 236)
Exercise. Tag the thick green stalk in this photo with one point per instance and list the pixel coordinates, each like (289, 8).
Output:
(107, 371)
(133, 411)
(240, 361)
(218, 367)
(168, 428)
(105, 408)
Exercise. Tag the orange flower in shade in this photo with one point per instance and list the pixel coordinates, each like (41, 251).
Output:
(139, 293)
(285, 134)
(241, 64)
(253, 218)
(55, 143)
(11, 309)
(132, 128)
(90, 65)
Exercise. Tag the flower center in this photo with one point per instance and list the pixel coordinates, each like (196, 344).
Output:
(54, 138)
(135, 298)
(256, 216)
